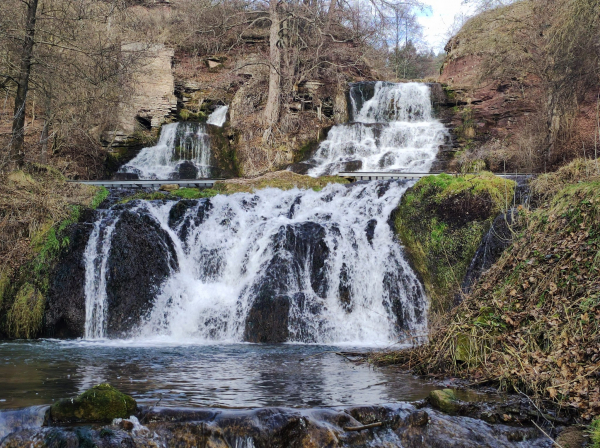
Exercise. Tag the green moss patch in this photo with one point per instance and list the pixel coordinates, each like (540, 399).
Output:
(441, 221)
(100, 404)
(195, 193)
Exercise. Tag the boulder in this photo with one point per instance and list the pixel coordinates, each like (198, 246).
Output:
(295, 246)
(100, 404)
(187, 170)
(445, 401)
(142, 256)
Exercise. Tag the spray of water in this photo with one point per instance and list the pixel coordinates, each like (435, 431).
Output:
(96, 261)
(218, 117)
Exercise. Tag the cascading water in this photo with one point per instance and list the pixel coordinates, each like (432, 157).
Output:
(178, 143)
(182, 152)
(218, 117)
(95, 258)
(392, 128)
(297, 265)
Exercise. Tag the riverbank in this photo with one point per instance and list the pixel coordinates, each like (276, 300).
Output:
(530, 323)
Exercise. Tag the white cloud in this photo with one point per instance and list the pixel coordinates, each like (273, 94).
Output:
(438, 21)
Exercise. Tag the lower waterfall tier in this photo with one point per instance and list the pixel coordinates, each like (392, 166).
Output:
(273, 266)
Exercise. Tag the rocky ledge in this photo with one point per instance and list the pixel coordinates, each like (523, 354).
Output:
(439, 421)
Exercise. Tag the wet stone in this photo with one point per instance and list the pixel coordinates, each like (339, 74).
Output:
(100, 404)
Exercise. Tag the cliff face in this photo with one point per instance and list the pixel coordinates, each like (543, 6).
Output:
(508, 104)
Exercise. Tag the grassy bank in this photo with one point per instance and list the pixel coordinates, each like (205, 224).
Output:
(441, 221)
(531, 323)
(36, 207)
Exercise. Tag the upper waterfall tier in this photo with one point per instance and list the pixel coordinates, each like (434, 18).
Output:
(272, 266)
(183, 151)
(392, 129)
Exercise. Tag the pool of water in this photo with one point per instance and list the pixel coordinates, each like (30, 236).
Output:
(235, 375)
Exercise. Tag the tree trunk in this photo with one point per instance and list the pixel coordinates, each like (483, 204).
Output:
(330, 15)
(17, 155)
(273, 100)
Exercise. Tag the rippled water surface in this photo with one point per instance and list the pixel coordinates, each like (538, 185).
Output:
(236, 375)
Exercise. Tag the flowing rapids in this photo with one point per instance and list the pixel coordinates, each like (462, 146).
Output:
(392, 128)
(296, 265)
(182, 151)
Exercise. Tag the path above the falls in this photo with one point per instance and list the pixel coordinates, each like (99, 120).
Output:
(209, 183)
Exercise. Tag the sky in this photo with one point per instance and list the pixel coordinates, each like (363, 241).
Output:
(439, 19)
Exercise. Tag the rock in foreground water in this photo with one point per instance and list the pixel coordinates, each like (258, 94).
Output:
(100, 404)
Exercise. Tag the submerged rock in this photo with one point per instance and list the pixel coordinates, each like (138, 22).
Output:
(100, 404)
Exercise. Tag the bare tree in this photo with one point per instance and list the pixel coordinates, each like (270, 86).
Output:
(18, 134)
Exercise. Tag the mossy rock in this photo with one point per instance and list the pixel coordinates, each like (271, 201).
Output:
(100, 404)
(445, 401)
(441, 221)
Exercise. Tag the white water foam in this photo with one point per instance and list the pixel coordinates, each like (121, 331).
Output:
(218, 117)
(224, 260)
(393, 131)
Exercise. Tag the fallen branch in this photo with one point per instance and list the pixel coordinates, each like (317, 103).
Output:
(360, 428)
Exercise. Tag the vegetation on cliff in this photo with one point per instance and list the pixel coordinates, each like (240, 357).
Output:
(284, 180)
(36, 206)
(524, 80)
(441, 221)
(531, 323)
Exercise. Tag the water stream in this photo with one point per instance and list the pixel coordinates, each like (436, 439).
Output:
(329, 259)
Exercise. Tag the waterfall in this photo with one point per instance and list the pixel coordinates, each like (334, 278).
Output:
(297, 265)
(392, 128)
(182, 151)
(218, 117)
(95, 259)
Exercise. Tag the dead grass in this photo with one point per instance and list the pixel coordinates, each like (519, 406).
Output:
(31, 200)
(284, 180)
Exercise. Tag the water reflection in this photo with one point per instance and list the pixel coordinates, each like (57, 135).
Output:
(237, 375)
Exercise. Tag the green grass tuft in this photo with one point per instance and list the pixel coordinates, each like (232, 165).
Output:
(195, 193)
(100, 196)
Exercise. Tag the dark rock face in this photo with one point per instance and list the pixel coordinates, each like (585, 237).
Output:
(354, 165)
(141, 257)
(495, 241)
(186, 170)
(295, 246)
(65, 305)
